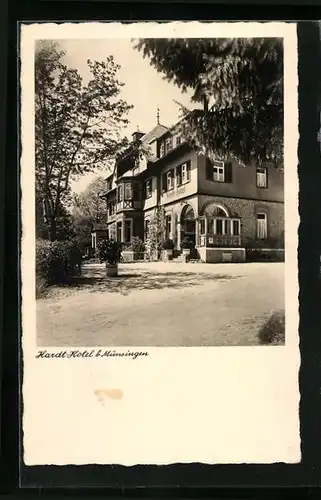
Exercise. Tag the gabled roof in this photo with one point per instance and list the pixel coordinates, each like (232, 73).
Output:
(155, 133)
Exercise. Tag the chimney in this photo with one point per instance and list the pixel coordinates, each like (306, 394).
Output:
(137, 135)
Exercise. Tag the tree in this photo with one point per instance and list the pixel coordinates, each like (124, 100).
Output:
(76, 125)
(156, 233)
(89, 203)
(89, 209)
(240, 83)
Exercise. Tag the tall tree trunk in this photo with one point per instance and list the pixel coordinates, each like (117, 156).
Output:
(53, 229)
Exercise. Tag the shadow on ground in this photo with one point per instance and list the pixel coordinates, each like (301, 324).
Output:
(94, 280)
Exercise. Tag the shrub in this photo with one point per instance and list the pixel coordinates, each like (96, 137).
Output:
(109, 250)
(273, 331)
(56, 263)
(137, 245)
(168, 245)
(187, 243)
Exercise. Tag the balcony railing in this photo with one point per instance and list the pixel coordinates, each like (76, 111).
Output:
(222, 241)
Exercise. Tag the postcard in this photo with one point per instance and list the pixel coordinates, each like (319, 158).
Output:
(159, 204)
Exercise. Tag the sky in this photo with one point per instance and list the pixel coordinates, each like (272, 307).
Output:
(144, 87)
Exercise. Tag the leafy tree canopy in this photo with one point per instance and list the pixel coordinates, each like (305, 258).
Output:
(240, 83)
(77, 124)
(89, 203)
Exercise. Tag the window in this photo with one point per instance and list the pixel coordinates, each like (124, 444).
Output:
(219, 226)
(128, 231)
(227, 228)
(261, 226)
(120, 193)
(168, 144)
(169, 226)
(218, 171)
(178, 140)
(162, 149)
(202, 228)
(183, 173)
(210, 226)
(93, 240)
(119, 231)
(111, 208)
(128, 191)
(170, 180)
(236, 227)
(261, 177)
(148, 188)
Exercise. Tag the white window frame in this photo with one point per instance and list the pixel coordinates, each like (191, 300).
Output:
(170, 180)
(261, 177)
(168, 144)
(184, 173)
(93, 241)
(162, 149)
(265, 228)
(178, 140)
(149, 192)
(218, 171)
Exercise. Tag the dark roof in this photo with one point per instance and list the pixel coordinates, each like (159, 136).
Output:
(155, 133)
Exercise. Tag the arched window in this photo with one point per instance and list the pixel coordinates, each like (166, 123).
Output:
(214, 210)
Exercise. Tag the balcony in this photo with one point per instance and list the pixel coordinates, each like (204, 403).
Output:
(219, 232)
(220, 241)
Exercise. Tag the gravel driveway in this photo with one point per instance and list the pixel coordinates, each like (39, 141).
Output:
(163, 304)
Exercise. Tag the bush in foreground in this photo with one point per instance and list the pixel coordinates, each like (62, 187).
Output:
(56, 263)
(273, 331)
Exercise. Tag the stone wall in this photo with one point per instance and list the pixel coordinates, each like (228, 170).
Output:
(246, 210)
(215, 255)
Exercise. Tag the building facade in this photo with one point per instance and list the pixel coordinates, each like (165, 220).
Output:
(223, 207)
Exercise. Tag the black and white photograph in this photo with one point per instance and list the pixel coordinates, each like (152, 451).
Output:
(159, 192)
(159, 202)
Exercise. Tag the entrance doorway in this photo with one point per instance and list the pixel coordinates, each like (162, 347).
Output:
(188, 224)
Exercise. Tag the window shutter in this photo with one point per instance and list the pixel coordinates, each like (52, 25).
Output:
(188, 171)
(178, 176)
(164, 182)
(228, 172)
(209, 170)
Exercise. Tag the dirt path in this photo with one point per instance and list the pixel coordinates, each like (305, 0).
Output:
(164, 305)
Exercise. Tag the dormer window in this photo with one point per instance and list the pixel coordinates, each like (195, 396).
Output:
(168, 144)
(162, 149)
(178, 140)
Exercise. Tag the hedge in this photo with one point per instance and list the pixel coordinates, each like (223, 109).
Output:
(56, 263)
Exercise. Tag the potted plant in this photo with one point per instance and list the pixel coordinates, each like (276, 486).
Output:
(109, 251)
(134, 251)
(168, 247)
(187, 245)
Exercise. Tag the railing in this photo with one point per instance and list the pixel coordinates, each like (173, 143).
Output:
(218, 240)
(129, 205)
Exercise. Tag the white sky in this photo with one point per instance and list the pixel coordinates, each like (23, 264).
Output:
(144, 87)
